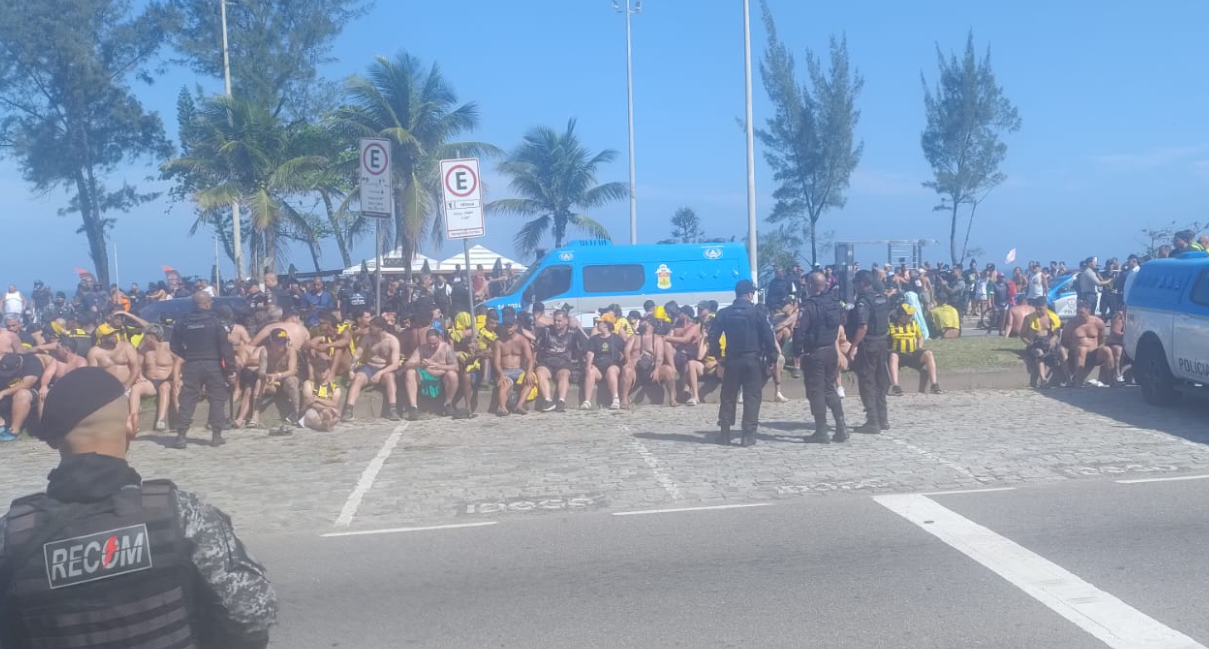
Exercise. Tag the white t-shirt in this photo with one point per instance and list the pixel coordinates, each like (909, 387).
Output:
(1036, 286)
(13, 302)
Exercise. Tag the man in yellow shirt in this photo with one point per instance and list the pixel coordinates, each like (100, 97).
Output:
(906, 350)
(1040, 332)
(947, 319)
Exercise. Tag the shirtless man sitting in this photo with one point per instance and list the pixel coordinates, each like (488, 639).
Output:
(65, 360)
(685, 342)
(512, 359)
(115, 356)
(646, 352)
(1083, 338)
(278, 372)
(378, 362)
(157, 363)
(246, 391)
(1116, 342)
(431, 366)
(320, 400)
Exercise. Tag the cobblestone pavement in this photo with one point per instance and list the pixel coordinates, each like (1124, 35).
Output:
(446, 472)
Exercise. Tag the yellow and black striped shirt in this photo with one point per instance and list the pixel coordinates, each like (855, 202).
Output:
(904, 339)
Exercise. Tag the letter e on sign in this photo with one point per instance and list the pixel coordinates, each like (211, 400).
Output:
(463, 194)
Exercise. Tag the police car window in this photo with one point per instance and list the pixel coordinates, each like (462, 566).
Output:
(551, 282)
(613, 278)
(1200, 292)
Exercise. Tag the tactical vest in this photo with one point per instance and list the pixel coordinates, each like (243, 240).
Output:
(825, 320)
(879, 316)
(115, 573)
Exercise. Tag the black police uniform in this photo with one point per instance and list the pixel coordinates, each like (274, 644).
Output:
(871, 364)
(814, 338)
(750, 349)
(104, 559)
(201, 340)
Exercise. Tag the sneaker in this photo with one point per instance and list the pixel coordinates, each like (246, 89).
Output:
(7, 435)
(392, 413)
(616, 405)
(161, 425)
(780, 398)
(691, 402)
(896, 391)
(413, 414)
(346, 415)
(936, 389)
(549, 406)
(560, 406)
(587, 405)
(839, 389)
(1095, 383)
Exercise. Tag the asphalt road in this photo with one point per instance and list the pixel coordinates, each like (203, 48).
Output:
(1080, 564)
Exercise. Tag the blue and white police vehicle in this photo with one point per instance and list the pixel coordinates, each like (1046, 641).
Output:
(1167, 327)
(590, 275)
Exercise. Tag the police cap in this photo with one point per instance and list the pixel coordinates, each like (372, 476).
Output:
(744, 287)
(74, 397)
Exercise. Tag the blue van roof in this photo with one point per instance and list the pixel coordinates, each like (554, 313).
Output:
(1161, 283)
(603, 251)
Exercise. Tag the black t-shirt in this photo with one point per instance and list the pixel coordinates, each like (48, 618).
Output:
(30, 366)
(606, 350)
(565, 347)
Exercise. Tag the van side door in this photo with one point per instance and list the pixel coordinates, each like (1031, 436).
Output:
(1190, 333)
(551, 283)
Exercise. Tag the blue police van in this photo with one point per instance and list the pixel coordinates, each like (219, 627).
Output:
(1167, 327)
(590, 275)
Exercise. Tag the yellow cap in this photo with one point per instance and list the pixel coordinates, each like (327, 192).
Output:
(907, 309)
(660, 313)
(104, 329)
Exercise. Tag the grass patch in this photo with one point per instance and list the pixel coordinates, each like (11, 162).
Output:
(976, 353)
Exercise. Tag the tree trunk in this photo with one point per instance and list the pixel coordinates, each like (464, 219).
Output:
(965, 245)
(337, 231)
(270, 249)
(814, 250)
(93, 226)
(953, 235)
(313, 245)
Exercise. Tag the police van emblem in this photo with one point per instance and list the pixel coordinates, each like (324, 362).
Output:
(566, 256)
(97, 556)
(713, 253)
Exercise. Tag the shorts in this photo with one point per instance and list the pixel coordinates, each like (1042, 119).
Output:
(6, 404)
(513, 374)
(368, 370)
(248, 377)
(556, 365)
(680, 361)
(913, 360)
(1042, 345)
(430, 386)
(645, 366)
(603, 368)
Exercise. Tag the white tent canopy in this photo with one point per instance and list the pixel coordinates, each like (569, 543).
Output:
(479, 256)
(392, 263)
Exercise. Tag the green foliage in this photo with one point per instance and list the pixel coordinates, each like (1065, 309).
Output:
(778, 249)
(555, 177)
(67, 113)
(809, 142)
(275, 46)
(417, 110)
(967, 115)
(686, 227)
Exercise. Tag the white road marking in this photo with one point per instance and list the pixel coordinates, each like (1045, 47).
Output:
(1174, 478)
(400, 530)
(967, 491)
(367, 477)
(1109, 619)
(647, 456)
(689, 509)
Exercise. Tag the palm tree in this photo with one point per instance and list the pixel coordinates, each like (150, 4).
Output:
(416, 109)
(245, 154)
(556, 179)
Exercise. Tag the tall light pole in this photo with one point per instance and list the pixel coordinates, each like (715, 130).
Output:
(629, 91)
(237, 235)
(751, 146)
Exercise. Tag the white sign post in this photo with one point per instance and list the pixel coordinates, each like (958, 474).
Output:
(463, 192)
(376, 200)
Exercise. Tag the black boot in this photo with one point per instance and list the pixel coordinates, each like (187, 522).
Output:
(749, 438)
(870, 427)
(820, 435)
(180, 441)
(724, 436)
(347, 413)
(841, 431)
(216, 439)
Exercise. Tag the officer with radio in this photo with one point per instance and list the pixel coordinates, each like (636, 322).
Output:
(866, 328)
(106, 559)
(814, 338)
(200, 339)
(751, 350)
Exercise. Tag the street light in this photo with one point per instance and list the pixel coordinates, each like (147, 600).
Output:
(629, 77)
(751, 146)
(237, 235)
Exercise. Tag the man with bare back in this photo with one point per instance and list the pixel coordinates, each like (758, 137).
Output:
(157, 363)
(512, 360)
(278, 372)
(646, 352)
(115, 356)
(431, 367)
(685, 341)
(378, 362)
(10, 342)
(1083, 338)
(278, 319)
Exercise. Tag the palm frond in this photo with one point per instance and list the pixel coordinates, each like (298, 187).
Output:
(529, 237)
(589, 226)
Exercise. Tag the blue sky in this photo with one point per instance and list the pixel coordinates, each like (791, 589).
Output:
(1111, 94)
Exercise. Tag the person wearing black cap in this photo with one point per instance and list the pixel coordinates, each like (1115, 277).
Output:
(106, 559)
(814, 338)
(866, 328)
(750, 351)
(200, 339)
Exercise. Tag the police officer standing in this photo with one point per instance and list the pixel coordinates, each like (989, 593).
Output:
(200, 338)
(866, 328)
(814, 338)
(105, 559)
(750, 351)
